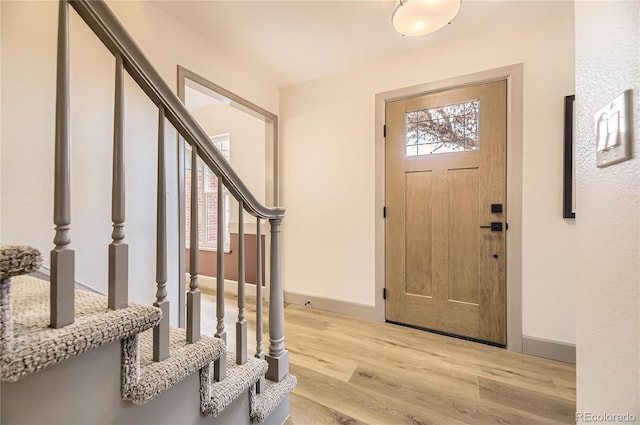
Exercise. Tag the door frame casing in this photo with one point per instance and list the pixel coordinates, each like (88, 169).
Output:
(513, 74)
(272, 177)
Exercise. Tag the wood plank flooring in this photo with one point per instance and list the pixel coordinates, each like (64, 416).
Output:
(354, 371)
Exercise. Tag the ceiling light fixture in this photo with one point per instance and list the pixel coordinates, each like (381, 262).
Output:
(420, 17)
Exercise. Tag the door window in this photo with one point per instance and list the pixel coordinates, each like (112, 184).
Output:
(450, 128)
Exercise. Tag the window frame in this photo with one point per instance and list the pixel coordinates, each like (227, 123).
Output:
(436, 114)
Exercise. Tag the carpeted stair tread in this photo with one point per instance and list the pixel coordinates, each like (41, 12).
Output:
(263, 404)
(184, 359)
(16, 260)
(33, 345)
(238, 380)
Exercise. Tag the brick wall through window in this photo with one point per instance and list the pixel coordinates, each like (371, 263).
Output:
(207, 198)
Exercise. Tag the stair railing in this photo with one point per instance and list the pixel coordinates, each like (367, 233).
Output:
(129, 58)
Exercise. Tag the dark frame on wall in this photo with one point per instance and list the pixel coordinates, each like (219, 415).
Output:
(568, 202)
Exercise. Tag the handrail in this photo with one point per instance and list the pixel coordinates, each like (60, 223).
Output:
(129, 57)
(113, 35)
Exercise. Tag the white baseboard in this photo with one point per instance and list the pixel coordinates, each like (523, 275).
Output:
(362, 311)
(554, 350)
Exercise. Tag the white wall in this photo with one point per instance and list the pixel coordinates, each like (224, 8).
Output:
(608, 214)
(28, 81)
(247, 147)
(327, 168)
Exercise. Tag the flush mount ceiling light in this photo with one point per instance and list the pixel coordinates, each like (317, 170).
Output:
(420, 17)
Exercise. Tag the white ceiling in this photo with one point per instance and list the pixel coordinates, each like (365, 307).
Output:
(296, 41)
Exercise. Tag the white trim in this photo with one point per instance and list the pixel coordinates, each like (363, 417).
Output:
(513, 74)
(209, 248)
(203, 245)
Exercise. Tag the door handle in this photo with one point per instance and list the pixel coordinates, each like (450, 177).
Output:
(496, 226)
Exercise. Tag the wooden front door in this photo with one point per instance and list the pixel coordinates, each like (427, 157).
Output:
(445, 190)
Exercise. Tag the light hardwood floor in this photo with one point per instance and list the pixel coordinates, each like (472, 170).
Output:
(353, 371)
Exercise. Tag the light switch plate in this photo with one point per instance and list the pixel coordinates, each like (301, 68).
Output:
(612, 131)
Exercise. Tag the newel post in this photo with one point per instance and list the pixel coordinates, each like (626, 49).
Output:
(278, 357)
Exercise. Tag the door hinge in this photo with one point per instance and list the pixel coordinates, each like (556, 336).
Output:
(384, 130)
(506, 226)
(384, 212)
(384, 293)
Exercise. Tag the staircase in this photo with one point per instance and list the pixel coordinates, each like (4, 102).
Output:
(60, 345)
